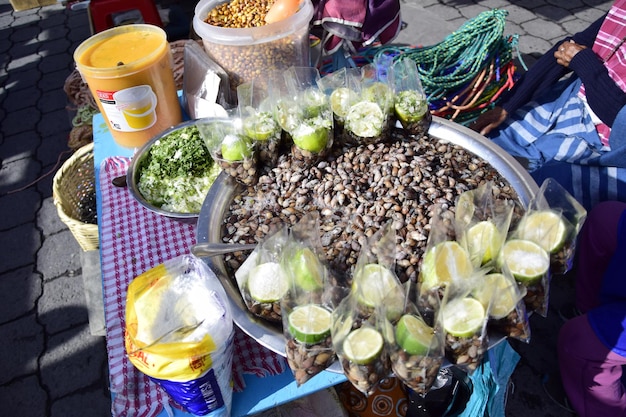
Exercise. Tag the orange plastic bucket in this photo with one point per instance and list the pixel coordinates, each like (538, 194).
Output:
(128, 70)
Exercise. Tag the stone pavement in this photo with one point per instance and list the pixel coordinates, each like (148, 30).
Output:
(53, 363)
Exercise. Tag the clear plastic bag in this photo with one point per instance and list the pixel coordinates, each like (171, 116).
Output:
(258, 121)
(410, 104)
(356, 332)
(553, 221)
(261, 279)
(415, 345)
(306, 312)
(230, 148)
(179, 332)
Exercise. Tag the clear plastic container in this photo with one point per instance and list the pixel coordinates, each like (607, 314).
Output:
(250, 53)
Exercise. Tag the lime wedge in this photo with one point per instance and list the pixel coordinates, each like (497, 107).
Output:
(414, 335)
(443, 263)
(365, 119)
(260, 126)
(267, 282)
(546, 228)
(483, 241)
(310, 137)
(309, 323)
(236, 148)
(500, 292)
(526, 260)
(363, 345)
(463, 317)
(307, 270)
(340, 101)
(375, 284)
(410, 106)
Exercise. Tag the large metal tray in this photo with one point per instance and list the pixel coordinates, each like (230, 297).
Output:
(209, 226)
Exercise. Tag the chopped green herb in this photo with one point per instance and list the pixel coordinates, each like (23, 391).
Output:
(178, 172)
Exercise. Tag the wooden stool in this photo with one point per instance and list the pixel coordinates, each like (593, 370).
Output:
(102, 12)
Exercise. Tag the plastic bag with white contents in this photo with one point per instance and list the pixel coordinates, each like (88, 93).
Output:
(179, 332)
(553, 220)
(261, 279)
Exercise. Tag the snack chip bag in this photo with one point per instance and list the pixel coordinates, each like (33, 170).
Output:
(179, 332)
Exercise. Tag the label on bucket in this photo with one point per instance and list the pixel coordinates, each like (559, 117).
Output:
(131, 109)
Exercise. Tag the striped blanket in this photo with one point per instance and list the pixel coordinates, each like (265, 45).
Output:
(556, 136)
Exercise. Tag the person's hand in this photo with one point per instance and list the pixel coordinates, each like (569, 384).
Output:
(566, 52)
(489, 120)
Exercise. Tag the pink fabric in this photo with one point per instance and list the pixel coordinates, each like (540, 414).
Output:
(133, 240)
(611, 33)
(597, 243)
(356, 23)
(590, 371)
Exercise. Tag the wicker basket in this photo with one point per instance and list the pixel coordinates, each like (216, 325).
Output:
(72, 187)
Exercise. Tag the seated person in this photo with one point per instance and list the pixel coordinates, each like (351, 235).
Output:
(565, 130)
(592, 346)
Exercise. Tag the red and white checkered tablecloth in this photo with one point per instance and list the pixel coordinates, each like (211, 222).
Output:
(133, 240)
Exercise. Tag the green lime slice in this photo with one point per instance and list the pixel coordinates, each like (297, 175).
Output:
(309, 323)
(307, 270)
(414, 335)
(363, 345)
(365, 119)
(483, 241)
(527, 261)
(545, 228)
(310, 137)
(443, 263)
(463, 317)
(236, 148)
(410, 106)
(267, 282)
(260, 126)
(374, 283)
(498, 291)
(340, 101)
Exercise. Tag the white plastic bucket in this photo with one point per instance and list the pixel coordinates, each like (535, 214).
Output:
(250, 53)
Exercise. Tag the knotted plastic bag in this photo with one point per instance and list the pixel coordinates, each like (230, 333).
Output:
(179, 332)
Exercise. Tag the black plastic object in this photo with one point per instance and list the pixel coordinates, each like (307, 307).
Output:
(447, 397)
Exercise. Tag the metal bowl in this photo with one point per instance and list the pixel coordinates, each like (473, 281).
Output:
(209, 227)
(132, 177)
